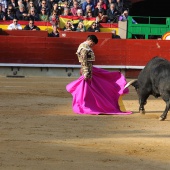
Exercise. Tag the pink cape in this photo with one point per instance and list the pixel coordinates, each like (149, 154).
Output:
(100, 95)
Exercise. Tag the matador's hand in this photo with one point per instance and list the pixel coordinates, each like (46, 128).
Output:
(85, 76)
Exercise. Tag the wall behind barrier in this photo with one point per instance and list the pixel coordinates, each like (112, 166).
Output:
(47, 50)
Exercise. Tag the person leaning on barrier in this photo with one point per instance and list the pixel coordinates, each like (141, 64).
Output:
(69, 26)
(54, 33)
(14, 25)
(81, 27)
(93, 27)
(114, 35)
(31, 26)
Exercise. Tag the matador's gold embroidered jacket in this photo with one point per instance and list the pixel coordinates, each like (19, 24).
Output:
(86, 57)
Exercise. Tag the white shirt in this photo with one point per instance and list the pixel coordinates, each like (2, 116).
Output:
(14, 27)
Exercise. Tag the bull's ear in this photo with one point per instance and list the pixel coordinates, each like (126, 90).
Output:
(134, 82)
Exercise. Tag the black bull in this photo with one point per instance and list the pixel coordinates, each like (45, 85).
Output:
(154, 80)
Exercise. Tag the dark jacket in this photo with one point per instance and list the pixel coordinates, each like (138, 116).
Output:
(34, 27)
(90, 29)
(34, 17)
(115, 36)
(112, 17)
(20, 16)
(53, 34)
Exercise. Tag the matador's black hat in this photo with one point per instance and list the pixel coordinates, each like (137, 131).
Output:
(93, 38)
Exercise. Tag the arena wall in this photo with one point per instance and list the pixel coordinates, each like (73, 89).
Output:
(38, 51)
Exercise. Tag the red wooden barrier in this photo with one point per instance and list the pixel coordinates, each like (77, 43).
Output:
(47, 50)
(66, 34)
(24, 33)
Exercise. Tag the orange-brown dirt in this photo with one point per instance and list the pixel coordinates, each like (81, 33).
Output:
(39, 131)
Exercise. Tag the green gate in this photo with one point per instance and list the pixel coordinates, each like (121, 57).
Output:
(149, 26)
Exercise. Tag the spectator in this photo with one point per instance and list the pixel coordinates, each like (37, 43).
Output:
(43, 16)
(88, 9)
(44, 5)
(3, 5)
(101, 18)
(2, 13)
(74, 8)
(54, 33)
(109, 3)
(81, 27)
(33, 15)
(37, 4)
(10, 15)
(50, 5)
(119, 6)
(87, 2)
(65, 4)
(31, 5)
(71, 3)
(19, 4)
(31, 26)
(97, 9)
(21, 14)
(112, 14)
(54, 19)
(26, 4)
(93, 28)
(103, 5)
(89, 14)
(66, 12)
(14, 25)
(114, 35)
(55, 8)
(80, 14)
(124, 17)
(13, 3)
(13, 10)
(69, 26)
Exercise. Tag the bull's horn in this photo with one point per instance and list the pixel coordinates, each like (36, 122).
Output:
(129, 83)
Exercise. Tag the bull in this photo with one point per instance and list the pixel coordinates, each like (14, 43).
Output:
(154, 80)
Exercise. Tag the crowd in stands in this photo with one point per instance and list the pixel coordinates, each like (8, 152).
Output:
(104, 11)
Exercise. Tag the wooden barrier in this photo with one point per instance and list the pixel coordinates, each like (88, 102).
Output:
(24, 33)
(118, 53)
(101, 35)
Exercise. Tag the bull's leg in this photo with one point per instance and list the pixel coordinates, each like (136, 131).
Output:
(141, 106)
(164, 115)
(142, 102)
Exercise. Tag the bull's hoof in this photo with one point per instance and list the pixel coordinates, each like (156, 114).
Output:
(162, 119)
(142, 111)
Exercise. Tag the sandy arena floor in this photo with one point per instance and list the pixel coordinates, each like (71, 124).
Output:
(39, 131)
